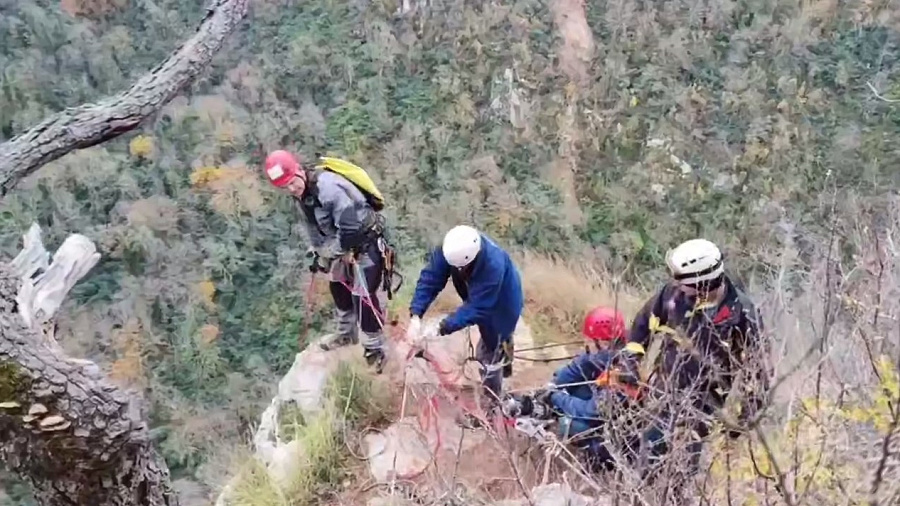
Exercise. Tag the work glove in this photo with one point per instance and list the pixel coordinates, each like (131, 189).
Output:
(512, 406)
(543, 396)
(442, 328)
(747, 411)
(542, 406)
(414, 331)
(627, 369)
(316, 263)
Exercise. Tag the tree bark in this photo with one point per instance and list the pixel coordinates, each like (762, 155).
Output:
(76, 437)
(92, 124)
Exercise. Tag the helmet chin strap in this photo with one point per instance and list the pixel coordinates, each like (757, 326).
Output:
(711, 296)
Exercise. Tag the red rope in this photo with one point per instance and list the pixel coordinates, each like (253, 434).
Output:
(310, 296)
(427, 415)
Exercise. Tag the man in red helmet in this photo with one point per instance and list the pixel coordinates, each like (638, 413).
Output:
(575, 391)
(577, 396)
(605, 328)
(343, 230)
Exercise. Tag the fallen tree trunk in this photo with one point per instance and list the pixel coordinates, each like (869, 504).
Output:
(78, 439)
(92, 124)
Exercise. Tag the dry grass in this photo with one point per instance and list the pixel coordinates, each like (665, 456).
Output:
(352, 402)
(558, 293)
(829, 435)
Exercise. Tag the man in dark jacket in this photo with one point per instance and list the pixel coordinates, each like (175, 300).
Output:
(692, 339)
(491, 289)
(346, 237)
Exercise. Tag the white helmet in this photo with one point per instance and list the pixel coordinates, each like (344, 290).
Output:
(694, 261)
(461, 244)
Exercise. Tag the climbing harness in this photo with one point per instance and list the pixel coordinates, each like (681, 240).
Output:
(389, 256)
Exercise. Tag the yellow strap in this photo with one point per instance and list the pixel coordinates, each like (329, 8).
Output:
(634, 348)
(655, 326)
(648, 364)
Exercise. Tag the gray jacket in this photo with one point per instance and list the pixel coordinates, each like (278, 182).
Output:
(336, 214)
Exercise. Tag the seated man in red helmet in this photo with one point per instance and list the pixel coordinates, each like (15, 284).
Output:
(581, 393)
(576, 391)
(343, 229)
(576, 387)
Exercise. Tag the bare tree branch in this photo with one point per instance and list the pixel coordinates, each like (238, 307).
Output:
(91, 124)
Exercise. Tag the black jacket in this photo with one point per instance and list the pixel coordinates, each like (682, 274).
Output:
(710, 346)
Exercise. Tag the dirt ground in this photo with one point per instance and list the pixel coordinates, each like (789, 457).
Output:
(578, 41)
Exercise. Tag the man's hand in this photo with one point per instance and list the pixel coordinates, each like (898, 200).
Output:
(316, 262)
(442, 328)
(627, 369)
(748, 410)
(543, 396)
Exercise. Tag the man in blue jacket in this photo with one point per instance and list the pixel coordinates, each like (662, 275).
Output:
(489, 284)
(582, 395)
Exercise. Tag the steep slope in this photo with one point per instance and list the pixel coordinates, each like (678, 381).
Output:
(421, 447)
(602, 132)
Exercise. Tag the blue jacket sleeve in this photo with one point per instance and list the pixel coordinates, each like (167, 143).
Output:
(432, 280)
(484, 292)
(574, 407)
(584, 367)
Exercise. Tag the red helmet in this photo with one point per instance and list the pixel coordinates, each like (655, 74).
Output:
(281, 167)
(604, 324)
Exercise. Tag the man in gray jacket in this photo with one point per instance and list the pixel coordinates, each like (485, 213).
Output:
(345, 232)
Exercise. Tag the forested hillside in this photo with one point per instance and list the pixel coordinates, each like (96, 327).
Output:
(602, 132)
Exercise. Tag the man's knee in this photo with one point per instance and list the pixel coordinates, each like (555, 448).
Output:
(572, 426)
(492, 386)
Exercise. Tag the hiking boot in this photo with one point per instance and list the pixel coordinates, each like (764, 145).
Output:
(338, 342)
(376, 359)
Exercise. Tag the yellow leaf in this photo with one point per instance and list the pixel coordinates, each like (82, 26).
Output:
(207, 290)
(128, 369)
(204, 175)
(141, 146)
(634, 101)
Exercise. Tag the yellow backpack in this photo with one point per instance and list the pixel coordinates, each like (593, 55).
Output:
(356, 175)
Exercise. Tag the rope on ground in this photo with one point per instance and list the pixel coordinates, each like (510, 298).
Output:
(427, 417)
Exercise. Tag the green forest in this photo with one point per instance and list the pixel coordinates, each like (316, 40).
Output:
(595, 132)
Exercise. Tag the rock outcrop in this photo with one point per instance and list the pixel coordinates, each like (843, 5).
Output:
(424, 444)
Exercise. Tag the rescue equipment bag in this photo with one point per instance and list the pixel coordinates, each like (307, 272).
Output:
(356, 175)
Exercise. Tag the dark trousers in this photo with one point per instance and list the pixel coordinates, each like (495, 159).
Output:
(348, 305)
(489, 354)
